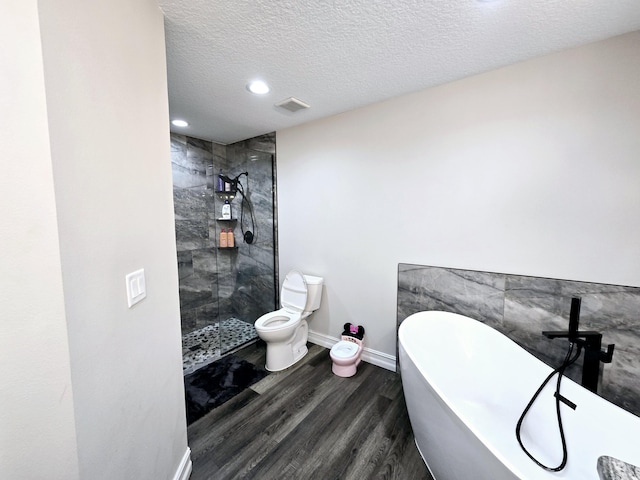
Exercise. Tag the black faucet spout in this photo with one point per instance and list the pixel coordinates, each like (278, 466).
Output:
(553, 335)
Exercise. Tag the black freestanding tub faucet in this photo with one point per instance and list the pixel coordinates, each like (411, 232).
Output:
(591, 342)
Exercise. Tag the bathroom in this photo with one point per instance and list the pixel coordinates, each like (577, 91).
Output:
(518, 206)
(534, 200)
(529, 169)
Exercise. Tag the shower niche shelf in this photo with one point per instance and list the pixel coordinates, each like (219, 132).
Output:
(224, 195)
(228, 248)
(227, 220)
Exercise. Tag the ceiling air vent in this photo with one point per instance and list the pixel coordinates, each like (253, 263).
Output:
(292, 104)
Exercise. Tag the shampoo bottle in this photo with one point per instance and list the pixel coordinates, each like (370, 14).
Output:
(220, 185)
(226, 210)
(223, 238)
(231, 241)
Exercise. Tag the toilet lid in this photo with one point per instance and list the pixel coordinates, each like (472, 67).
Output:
(344, 349)
(293, 296)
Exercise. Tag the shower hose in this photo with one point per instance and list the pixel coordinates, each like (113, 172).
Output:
(568, 360)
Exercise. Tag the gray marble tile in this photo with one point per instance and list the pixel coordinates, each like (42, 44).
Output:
(254, 297)
(264, 143)
(208, 313)
(187, 319)
(188, 176)
(621, 380)
(190, 203)
(178, 150)
(194, 293)
(185, 264)
(477, 295)
(191, 234)
(204, 264)
(256, 260)
(219, 152)
(199, 152)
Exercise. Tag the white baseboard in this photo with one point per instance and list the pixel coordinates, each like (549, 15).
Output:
(184, 469)
(380, 359)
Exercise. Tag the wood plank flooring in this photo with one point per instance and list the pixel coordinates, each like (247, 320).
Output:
(305, 423)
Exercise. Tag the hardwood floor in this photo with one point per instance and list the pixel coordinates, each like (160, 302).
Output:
(307, 423)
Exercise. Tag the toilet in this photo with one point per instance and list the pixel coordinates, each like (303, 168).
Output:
(286, 330)
(346, 353)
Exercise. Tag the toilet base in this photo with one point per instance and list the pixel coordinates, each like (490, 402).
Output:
(281, 357)
(285, 350)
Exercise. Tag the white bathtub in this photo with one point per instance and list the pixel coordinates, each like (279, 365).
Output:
(466, 385)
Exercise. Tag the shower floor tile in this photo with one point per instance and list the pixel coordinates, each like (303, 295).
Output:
(201, 347)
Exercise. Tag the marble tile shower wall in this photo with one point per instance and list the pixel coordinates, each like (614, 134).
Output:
(250, 287)
(521, 307)
(218, 284)
(195, 235)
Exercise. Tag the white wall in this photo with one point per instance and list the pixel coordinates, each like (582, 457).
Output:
(531, 169)
(106, 90)
(37, 431)
(90, 388)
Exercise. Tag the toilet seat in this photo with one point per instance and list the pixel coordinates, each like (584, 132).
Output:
(278, 320)
(344, 349)
(293, 298)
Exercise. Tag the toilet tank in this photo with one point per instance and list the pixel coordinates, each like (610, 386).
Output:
(314, 292)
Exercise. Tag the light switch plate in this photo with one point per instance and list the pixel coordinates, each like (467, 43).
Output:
(136, 287)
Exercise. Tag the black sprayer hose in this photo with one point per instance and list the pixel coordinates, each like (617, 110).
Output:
(249, 235)
(560, 371)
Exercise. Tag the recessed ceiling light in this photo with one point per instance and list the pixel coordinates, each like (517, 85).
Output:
(258, 87)
(180, 123)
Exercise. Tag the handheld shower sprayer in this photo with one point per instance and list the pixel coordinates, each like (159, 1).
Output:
(574, 318)
(574, 321)
(233, 181)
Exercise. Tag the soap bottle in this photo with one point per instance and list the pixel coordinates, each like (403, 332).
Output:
(223, 238)
(226, 210)
(220, 185)
(231, 241)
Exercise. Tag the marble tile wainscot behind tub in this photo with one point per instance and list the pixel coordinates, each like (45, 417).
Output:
(521, 307)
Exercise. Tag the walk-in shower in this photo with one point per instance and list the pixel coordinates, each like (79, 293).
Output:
(224, 288)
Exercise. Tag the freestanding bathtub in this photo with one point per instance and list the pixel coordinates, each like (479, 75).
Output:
(467, 384)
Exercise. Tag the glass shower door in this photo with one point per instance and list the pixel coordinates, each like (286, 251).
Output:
(247, 275)
(191, 161)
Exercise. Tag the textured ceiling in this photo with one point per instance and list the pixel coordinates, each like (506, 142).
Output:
(340, 55)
